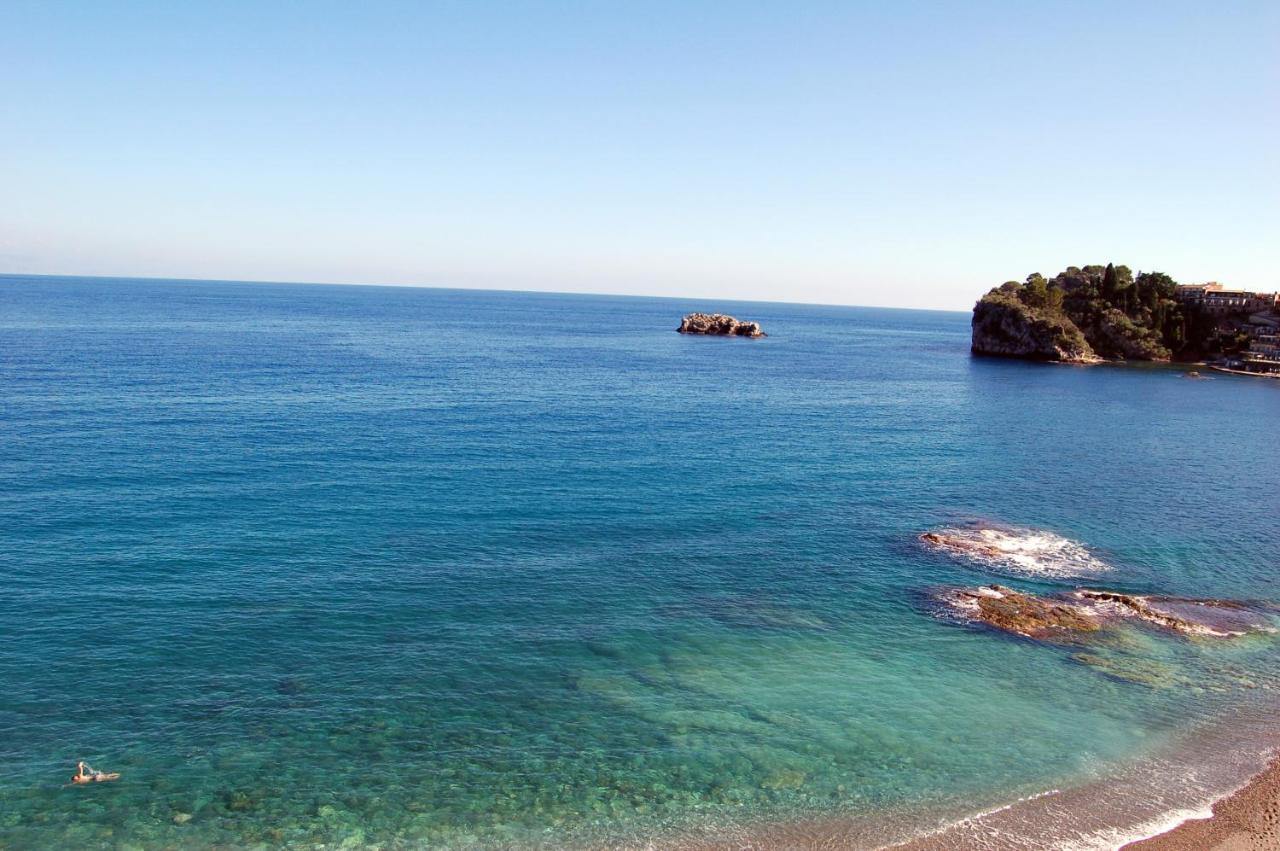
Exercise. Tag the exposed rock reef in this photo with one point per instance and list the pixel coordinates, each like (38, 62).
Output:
(1084, 315)
(1091, 623)
(1022, 614)
(1115, 633)
(719, 324)
(1071, 617)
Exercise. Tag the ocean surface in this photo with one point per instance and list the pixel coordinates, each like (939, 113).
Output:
(364, 566)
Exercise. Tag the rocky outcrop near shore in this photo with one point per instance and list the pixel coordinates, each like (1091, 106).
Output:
(1071, 617)
(1022, 614)
(1112, 632)
(719, 324)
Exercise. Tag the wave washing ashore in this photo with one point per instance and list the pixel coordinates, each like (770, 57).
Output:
(1247, 820)
(1214, 792)
(399, 568)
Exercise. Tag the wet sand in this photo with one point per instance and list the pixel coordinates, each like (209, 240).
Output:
(1249, 820)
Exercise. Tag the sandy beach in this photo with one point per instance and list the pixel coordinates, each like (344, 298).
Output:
(1249, 820)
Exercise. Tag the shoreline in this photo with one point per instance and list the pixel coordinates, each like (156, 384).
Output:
(1215, 788)
(1245, 820)
(1225, 796)
(1271, 375)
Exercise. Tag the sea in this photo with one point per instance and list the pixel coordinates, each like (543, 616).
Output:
(377, 567)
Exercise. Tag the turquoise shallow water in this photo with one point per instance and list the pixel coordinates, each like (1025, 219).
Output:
(371, 566)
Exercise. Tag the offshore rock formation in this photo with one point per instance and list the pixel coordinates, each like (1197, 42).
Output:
(719, 324)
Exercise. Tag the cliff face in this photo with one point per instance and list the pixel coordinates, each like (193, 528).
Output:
(1006, 327)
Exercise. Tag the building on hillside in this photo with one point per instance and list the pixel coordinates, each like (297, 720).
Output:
(1264, 344)
(1263, 354)
(1262, 302)
(1219, 300)
(1195, 292)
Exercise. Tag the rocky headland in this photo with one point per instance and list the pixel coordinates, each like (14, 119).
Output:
(719, 324)
(1087, 315)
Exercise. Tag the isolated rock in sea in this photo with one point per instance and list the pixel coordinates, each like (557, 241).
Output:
(719, 324)
(1005, 327)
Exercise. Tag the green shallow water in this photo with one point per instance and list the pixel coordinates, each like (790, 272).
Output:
(354, 567)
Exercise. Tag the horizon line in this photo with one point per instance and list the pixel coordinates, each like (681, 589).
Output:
(470, 289)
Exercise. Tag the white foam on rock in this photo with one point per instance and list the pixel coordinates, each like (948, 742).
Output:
(1024, 552)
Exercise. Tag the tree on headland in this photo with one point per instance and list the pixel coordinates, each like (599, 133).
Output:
(1036, 291)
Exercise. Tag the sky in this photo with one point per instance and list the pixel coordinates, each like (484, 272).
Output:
(905, 154)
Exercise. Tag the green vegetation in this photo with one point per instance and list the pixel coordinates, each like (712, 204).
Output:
(1108, 312)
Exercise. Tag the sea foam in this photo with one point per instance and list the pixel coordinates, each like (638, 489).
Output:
(1022, 552)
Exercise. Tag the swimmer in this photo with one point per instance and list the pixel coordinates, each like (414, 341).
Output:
(86, 774)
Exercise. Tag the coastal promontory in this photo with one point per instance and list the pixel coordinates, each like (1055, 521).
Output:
(719, 324)
(1085, 315)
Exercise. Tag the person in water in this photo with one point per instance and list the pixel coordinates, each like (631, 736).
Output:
(86, 774)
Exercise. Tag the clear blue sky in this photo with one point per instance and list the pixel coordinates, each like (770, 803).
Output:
(906, 154)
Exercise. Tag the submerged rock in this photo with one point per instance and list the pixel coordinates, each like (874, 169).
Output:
(1133, 669)
(719, 324)
(754, 612)
(784, 778)
(290, 686)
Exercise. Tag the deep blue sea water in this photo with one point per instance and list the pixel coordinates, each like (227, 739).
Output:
(364, 566)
